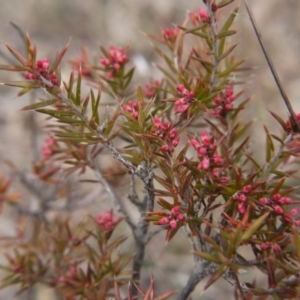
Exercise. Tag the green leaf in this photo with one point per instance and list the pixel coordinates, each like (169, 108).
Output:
(44, 103)
(224, 3)
(231, 68)
(207, 256)
(78, 90)
(226, 33)
(226, 53)
(95, 105)
(13, 68)
(254, 227)
(23, 84)
(55, 113)
(229, 21)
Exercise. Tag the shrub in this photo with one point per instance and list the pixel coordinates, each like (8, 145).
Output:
(183, 137)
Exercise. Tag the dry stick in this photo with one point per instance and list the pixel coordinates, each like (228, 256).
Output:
(213, 26)
(272, 68)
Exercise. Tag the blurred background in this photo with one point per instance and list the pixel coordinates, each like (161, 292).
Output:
(122, 23)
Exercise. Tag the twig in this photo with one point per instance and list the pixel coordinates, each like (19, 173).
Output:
(202, 269)
(273, 70)
(115, 199)
(133, 197)
(236, 284)
(213, 26)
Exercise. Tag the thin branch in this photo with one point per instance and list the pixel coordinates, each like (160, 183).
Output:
(133, 197)
(213, 34)
(236, 284)
(202, 269)
(115, 199)
(272, 68)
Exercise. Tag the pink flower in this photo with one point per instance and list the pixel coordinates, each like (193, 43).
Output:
(41, 72)
(224, 102)
(204, 164)
(107, 221)
(114, 62)
(170, 34)
(48, 147)
(182, 104)
(174, 217)
(242, 207)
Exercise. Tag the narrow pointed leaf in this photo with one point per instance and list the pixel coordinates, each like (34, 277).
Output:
(40, 104)
(254, 227)
(17, 55)
(59, 57)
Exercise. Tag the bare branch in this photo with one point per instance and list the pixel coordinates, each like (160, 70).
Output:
(273, 70)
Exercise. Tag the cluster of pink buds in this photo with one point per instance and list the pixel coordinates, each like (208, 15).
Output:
(188, 97)
(107, 221)
(167, 133)
(48, 147)
(217, 176)
(41, 72)
(170, 34)
(173, 218)
(268, 245)
(241, 197)
(206, 148)
(201, 16)
(276, 202)
(132, 108)
(117, 59)
(224, 102)
(151, 90)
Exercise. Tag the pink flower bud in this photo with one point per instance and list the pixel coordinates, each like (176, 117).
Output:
(247, 188)
(218, 100)
(181, 89)
(175, 210)
(203, 14)
(204, 164)
(195, 143)
(165, 148)
(173, 133)
(202, 151)
(217, 159)
(242, 198)
(285, 200)
(173, 224)
(264, 246)
(180, 217)
(104, 61)
(175, 141)
(242, 207)
(294, 211)
(28, 76)
(163, 221)
(276, 197)
(278, 209)
(264, 201)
